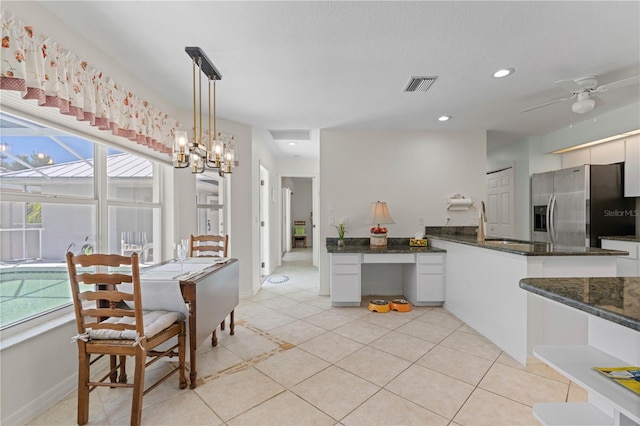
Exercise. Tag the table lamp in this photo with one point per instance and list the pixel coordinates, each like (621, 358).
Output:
(379, 215)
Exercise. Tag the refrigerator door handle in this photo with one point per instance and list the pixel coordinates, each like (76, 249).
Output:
(552, 222)
(549, 229)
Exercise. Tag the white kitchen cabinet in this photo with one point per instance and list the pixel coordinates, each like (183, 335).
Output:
(632, 167)
(424, 281)
(345, 279)
(608, 153)
(430, 279)
(576, 158)
(627, 266)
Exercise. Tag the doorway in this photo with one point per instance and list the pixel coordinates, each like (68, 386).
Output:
(298, 226)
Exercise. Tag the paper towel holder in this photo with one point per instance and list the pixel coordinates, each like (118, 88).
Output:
(459, 202)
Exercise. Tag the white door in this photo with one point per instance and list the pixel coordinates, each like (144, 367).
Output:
(500, 203)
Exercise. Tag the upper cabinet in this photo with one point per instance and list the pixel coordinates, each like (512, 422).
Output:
(632, 167)
(625, 149)
(606, 153)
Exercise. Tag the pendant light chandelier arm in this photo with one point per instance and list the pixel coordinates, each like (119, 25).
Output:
(195, 121)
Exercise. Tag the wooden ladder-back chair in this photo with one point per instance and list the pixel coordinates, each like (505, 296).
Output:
(211, 246)
(110, 320)
(208, 245)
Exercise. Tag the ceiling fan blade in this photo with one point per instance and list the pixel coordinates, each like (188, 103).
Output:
(548, 103)
(620, 83)
(569, 85)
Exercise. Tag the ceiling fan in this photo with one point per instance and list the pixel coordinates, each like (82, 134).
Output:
(584, 89)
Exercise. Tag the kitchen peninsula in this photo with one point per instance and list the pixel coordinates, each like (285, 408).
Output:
(482, 286)
(610, 310)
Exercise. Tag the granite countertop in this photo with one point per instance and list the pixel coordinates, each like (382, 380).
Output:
(616, 299)
(466, 235)
(630, 238)
(361, 245)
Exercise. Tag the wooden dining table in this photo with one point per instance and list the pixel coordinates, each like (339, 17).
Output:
(211, 294)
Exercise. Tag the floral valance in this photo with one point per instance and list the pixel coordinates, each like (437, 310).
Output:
(41, 69)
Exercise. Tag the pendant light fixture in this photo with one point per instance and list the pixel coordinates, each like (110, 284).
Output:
(207, 149)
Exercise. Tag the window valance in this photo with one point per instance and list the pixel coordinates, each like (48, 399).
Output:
(41, 69)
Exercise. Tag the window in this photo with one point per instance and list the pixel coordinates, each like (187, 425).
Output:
(210, 195)
(134, 208)
(51, 204)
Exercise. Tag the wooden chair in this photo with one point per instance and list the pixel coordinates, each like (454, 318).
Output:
(300, 233)
(111, 321)
(210, 246)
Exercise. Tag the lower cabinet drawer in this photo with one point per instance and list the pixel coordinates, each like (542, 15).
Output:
(430, 259)
(345, 269)
(430, 269)
(389, 258)
(345, 259)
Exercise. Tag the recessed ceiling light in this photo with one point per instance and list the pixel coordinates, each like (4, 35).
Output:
(292, 144)
(503, 72)
(444, 118)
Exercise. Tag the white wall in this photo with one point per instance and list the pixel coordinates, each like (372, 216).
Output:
(414, 172)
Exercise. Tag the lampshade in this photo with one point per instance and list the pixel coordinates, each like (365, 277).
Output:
(379, 213)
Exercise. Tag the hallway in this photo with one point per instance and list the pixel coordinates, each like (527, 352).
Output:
(296, 360)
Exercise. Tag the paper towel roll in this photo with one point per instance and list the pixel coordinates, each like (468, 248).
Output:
(459, 204)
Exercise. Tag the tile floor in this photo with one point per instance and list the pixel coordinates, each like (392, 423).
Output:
(295, 360)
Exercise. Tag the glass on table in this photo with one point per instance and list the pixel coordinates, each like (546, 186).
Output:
(182, 251)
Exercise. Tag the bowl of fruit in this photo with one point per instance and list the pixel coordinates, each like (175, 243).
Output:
(378, 236)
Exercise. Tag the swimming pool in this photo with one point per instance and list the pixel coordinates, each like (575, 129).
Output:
(30, 290)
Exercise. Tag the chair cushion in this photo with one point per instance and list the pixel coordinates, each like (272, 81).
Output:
(299, 230)
(154, 323)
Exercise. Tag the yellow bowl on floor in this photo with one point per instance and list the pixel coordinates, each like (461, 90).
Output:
(400, 305)
(379, 306)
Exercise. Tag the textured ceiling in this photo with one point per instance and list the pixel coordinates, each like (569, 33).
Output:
(314, 65)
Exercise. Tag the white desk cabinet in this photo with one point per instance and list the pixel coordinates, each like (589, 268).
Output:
(345, 279)
(423, 276)
(424, 282)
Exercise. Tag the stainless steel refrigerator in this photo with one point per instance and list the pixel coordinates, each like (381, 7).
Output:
(575, 206)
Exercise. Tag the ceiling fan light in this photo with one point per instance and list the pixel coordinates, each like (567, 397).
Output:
(582, 106)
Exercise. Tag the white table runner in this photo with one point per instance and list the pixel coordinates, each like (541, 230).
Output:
(160, 285)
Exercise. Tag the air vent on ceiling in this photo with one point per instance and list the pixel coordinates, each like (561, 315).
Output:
(291, 135)
(419, 84)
